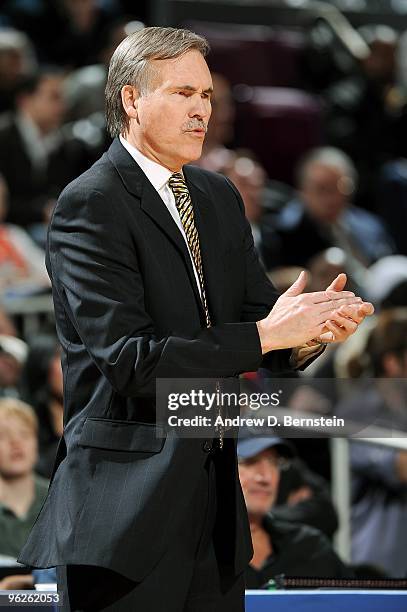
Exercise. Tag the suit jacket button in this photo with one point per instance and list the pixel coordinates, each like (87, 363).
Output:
(207, 446)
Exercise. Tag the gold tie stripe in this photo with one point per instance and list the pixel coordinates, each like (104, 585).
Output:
(185, 209)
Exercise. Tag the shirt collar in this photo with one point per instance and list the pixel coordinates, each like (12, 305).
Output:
(157, 175)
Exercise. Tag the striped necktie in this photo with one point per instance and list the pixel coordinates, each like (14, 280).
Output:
(184, 206)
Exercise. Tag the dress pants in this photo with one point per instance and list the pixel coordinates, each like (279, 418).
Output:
(186, 579)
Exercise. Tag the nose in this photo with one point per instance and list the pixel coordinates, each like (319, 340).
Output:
(201, 107)
(16, 443)
(263, 471)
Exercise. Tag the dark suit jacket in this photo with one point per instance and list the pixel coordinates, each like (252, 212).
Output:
(128, 311)
(293, 237)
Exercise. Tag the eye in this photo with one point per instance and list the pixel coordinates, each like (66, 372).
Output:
(184, 93)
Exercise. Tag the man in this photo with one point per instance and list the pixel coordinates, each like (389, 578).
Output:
(147, 285)
(37, 159)
(323, 216)
(280, 547)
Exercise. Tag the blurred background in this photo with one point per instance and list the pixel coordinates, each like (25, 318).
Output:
(310, 123)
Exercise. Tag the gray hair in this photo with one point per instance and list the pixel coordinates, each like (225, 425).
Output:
(131, 65)
(331, 157)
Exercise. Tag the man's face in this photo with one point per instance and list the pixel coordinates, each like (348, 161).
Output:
(18, 447)
(324, 191)
(259, 477)
(171, 119)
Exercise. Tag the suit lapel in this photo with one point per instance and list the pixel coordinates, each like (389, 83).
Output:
(151, 203)
(154, 207)
(210, 241)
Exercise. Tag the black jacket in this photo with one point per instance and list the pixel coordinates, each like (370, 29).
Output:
(31, 189)
(298, 551)
(127, 312)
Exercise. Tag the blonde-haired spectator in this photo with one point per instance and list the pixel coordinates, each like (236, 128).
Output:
(22, 492)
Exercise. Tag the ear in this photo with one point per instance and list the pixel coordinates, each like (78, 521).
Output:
(130, 97)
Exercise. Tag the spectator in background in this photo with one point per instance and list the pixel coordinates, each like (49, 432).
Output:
(22, 262)
(322, 216)
(65, 32)
(280, 547)
(22, 492)
(37, 158)
(259, 195)
(363, 110)
(250, 179)
(42, 387)
(13, 354)
(17, 60)
(85, 87)
(78, 23)
(304, 496)
(380, 473)
(215, 153)
(79, 42)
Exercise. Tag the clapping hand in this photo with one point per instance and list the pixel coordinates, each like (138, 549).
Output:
(347, 318)
(299, 318)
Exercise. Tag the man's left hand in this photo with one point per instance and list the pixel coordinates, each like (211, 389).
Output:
(347, 318)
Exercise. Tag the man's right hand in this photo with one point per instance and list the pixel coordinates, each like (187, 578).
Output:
(297, 317)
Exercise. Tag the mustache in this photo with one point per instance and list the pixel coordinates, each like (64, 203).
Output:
(194, 124)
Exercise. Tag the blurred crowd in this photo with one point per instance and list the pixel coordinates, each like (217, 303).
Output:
(312, 131)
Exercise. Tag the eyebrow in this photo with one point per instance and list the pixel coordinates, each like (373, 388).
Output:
(190, 88)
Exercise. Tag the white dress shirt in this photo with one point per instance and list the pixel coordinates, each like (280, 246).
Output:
(158, 176)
